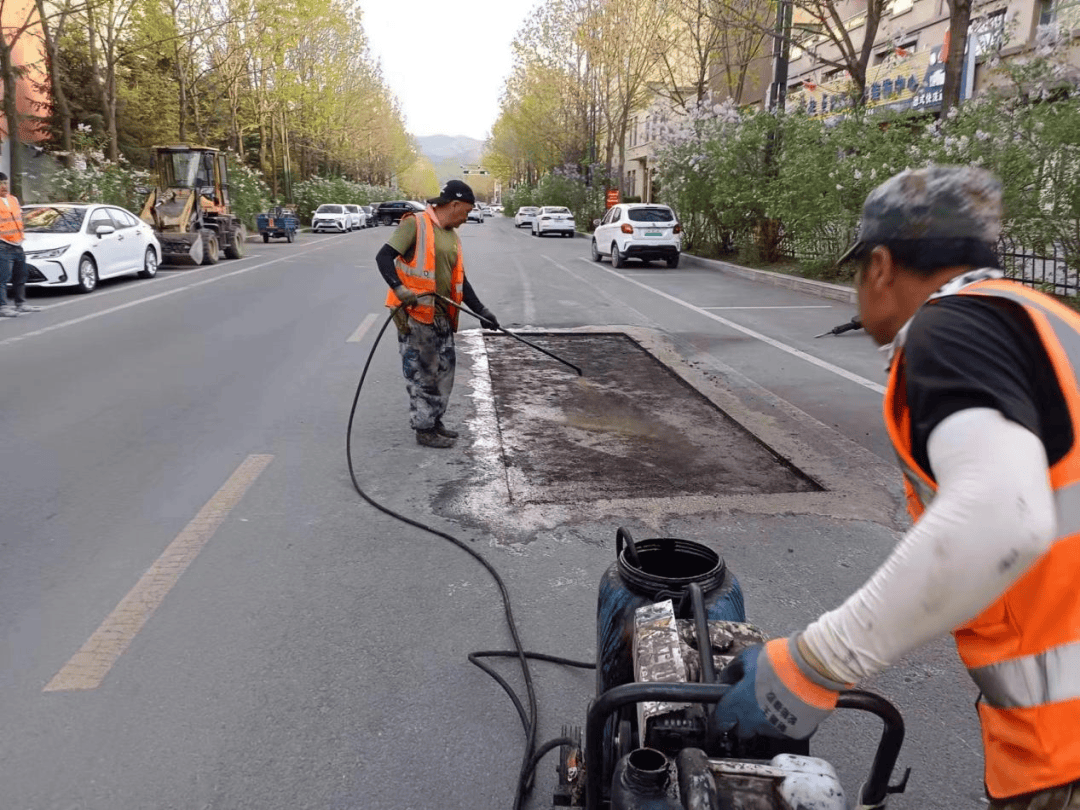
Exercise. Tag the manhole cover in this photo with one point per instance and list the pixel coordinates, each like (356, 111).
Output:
(630, 428)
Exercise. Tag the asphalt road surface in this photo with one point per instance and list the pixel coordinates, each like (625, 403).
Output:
(197, 610)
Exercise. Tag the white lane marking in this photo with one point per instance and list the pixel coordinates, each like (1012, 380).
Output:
(165, 273)
(87, 668)
(776, 344)
(361, 330)
(147, 299)
(808, 306)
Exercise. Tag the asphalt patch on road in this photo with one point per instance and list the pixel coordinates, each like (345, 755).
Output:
(629, 428)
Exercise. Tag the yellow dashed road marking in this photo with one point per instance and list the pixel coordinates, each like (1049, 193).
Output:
(89, 666)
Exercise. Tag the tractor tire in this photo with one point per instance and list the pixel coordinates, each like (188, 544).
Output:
(237, 248)
(266, 238)
(211, 249)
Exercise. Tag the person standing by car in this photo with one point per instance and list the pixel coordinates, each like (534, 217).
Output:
(12, 257)
(983, 410)
(424, 256)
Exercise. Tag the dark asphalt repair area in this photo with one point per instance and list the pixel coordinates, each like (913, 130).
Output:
(630, 428)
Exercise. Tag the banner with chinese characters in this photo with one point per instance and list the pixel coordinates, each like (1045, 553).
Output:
(901, 82)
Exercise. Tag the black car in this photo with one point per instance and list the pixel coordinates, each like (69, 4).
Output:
(390, 213)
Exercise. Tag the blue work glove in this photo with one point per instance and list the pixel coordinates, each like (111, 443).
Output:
(775, 693)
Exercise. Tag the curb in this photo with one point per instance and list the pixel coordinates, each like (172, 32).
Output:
(822, 289)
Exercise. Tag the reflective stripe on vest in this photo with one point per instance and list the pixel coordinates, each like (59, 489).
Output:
(1023, 651)
(11, 223)
(419, 274)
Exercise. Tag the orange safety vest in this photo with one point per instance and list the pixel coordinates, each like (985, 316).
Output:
(419, 274)
(11, 224)
(1023, 651)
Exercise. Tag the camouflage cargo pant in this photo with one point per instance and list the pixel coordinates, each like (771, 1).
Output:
(428, 362)
(1066, 797)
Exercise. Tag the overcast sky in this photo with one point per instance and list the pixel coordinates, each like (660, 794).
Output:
(446, 60)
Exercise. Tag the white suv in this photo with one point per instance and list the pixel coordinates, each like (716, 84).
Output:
(330, 217)
(553, 219)
(643, 231)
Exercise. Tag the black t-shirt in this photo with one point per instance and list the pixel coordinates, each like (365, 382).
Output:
(964, 351)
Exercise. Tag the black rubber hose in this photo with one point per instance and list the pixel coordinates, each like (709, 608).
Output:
(528, 715)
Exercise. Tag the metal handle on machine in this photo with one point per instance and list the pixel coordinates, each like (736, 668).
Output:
(701, 630)
(622, 534)
(877, 787)
(873, 793)
(624, 695)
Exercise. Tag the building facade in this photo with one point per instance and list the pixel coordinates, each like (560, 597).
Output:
(18, 20)
(906, 68)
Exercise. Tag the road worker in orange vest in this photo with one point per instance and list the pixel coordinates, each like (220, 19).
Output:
(12, 258)
(983, 410)
(424, 256)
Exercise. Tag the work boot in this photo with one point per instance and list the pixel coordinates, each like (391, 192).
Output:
(443, 430)
(26, 308)
(431, 438)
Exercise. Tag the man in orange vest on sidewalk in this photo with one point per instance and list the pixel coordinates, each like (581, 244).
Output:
(424, 256)
(983, 409)
(12, 258)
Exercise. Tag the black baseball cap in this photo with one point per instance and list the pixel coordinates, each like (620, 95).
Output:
(454, 190)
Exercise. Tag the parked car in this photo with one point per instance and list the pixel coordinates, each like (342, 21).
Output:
(485, 209)
(554, 219)
(330, 217)
(643, 231)
(77, 244)
(357, 217)
(370, 220)
(525, 216)
(475, 215)
(390, 213)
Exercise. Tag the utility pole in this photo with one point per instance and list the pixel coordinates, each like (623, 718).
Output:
(781, 55)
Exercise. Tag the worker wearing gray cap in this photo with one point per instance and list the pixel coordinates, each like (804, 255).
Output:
(983, 410)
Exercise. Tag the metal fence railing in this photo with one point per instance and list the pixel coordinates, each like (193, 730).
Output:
(1051, 269)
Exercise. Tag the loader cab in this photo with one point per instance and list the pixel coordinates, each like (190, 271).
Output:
(184, 172)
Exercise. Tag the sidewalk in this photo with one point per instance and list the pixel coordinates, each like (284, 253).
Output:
(822, 289)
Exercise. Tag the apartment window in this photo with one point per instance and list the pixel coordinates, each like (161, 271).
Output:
(900, 6)
(1046, 12)
(902, 50)
(990, 31)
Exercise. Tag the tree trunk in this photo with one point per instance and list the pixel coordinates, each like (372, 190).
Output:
(273, 158)
(95, 65)
(959, 21)
(63, 109)
(181, 90)
(11, 117)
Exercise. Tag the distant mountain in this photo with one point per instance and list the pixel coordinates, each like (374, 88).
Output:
(449, 153)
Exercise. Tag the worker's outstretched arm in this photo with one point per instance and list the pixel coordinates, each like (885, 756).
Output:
(992, 517)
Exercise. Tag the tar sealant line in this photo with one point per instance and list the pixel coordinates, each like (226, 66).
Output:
(776, 344)
(91, 316)
(484, 424)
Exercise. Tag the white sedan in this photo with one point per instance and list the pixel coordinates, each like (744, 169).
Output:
(553, 219)
(77, 244)
(525, 216)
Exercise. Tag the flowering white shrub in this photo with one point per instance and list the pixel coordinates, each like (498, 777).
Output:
(313, 192)
(787, 183)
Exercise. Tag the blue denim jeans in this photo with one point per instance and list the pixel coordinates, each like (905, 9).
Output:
(12, 271)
